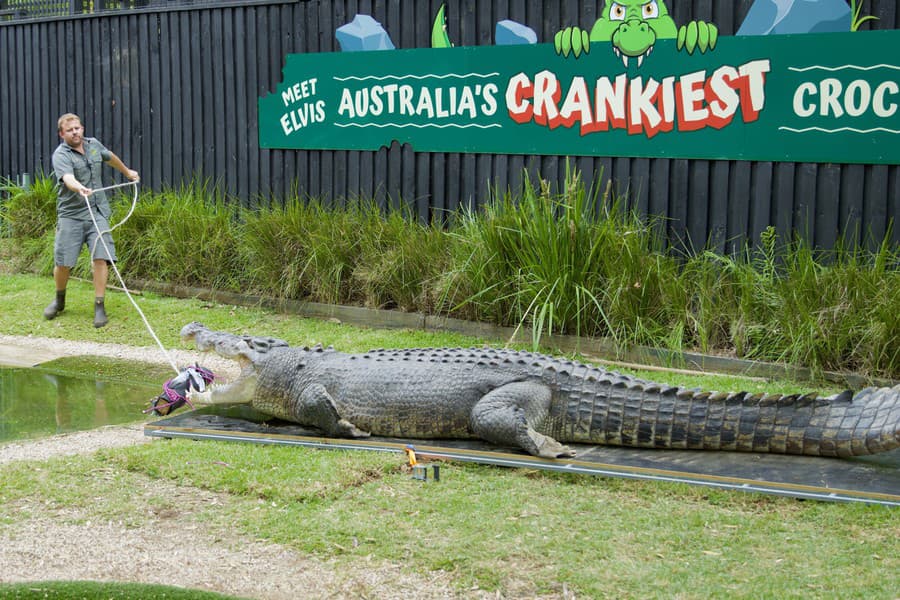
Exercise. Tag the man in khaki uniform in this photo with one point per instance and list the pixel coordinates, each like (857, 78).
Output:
(77, 164)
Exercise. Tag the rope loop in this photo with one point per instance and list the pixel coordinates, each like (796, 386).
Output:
(116, 269)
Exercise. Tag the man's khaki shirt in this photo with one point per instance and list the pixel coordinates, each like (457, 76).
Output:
(87, 169)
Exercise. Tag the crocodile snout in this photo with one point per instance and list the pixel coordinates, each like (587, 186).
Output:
(633, 39)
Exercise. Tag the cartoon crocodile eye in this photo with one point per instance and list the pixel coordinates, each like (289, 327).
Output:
(650, 10)
(617, 12)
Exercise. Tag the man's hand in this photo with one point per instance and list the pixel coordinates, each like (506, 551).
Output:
(76, 186)
(131, 175)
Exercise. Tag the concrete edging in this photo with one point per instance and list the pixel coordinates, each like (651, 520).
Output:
(598, 349)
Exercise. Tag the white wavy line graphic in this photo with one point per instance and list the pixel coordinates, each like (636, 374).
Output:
(843, 68)
(416, 125)
(420, 77)
(851, 129)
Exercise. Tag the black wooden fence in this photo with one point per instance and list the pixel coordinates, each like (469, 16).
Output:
(174, 92)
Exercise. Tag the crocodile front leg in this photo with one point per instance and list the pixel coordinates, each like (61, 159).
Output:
(508, 415)
(316, 407)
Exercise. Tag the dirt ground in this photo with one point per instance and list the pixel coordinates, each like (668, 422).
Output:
(169, 547)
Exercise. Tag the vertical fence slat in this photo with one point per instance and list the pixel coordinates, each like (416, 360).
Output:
(759, 206)
(229, 139)
(827, 218)
(115, 82)
(658, 193)
(679, 185)
(805, 199)
(893, 213)
(6, 112)
(851, 202)
(422, 184)
(698, 205)
(189, 59)
(718, 205)
(36, 131)
(88, 68)
(131, 40)
(438, 186)
(167, 81)
(739, 200)
(875, 214)
(153, 138)
(104, 84)
(24, 92)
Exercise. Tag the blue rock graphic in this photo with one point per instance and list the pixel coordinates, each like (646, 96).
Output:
(362, 34)
(771, 17)
(510, 33)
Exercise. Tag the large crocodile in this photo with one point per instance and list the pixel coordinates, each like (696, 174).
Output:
(534, 402)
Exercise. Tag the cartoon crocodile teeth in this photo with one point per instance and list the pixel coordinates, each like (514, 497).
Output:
(633, 27)
(625, 58)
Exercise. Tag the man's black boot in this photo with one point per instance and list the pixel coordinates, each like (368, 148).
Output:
(99, 313)
(57, 306)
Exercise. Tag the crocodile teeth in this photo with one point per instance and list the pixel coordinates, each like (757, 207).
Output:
(641, 60)
(625, 61)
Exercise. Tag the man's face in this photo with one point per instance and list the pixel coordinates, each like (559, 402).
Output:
(72, 132)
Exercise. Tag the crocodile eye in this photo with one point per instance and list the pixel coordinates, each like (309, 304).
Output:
(650, 10)
(617, 12)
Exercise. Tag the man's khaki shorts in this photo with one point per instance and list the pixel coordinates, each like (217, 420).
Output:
(72, 234)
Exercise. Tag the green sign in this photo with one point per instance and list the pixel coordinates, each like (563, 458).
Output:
(800, 98)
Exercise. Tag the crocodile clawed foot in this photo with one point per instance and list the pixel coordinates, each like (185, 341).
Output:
(347, 429)
(557, 450)
(546, 447)
(566, 453)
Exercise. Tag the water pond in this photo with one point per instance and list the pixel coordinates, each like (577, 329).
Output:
(36, 403)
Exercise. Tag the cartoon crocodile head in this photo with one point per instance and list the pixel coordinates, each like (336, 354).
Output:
(633, 26)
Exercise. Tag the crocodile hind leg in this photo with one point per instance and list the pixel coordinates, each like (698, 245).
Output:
(316, 407)
(509, 414)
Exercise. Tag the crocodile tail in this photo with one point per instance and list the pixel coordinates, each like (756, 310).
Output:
(652, 416)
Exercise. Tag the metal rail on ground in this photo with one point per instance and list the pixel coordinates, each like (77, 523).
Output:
(812, 478)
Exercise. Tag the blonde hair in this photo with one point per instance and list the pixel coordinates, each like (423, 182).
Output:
(65, 118)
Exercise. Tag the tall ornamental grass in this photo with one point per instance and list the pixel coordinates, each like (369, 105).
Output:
(301, 249)
(576, 261)
(401, 261)
(826, 310)
(277, 249)
(29, 219)
(188, 236)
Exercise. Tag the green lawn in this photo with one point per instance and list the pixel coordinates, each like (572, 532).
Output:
(67, 590)
(519, 533)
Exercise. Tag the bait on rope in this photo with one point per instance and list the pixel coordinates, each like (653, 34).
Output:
(175, 391)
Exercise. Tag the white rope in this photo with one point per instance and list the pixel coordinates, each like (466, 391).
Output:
(118, 185)
(128, 216)
(113, 263)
